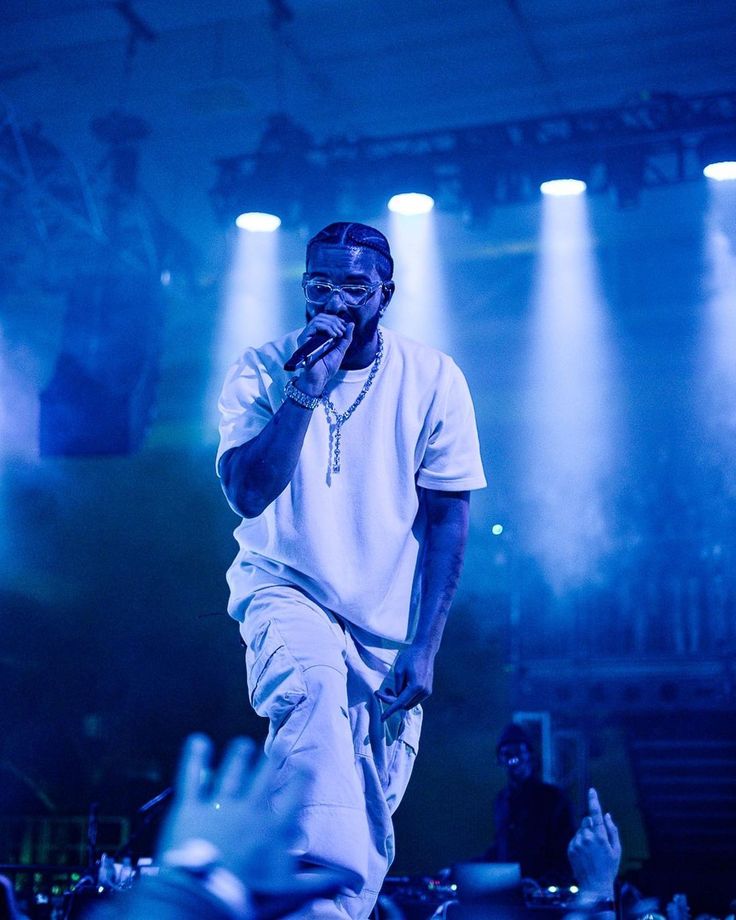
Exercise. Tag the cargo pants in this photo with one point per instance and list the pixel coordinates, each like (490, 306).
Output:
(314, 677)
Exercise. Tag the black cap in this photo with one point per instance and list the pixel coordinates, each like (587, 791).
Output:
(513, 734)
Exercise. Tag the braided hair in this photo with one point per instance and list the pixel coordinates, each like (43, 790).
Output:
(356, 236)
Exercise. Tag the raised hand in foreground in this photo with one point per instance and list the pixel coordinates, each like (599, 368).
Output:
(220, 820)
(595, 852)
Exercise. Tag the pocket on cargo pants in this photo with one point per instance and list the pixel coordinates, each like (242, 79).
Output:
(402, 756)
(276, 684)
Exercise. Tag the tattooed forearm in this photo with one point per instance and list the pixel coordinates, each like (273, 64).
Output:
(442, 561)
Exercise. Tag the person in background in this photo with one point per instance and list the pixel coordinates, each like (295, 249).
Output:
(533, 819)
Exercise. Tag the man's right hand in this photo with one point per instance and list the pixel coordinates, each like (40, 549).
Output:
(257, 472)
(313, 380)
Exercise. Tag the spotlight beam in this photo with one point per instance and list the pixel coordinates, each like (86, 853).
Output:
(572, 421)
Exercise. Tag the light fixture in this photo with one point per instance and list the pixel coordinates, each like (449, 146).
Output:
(258, 222)
(563, 187)
(721, 172)
(717, 155)
(411, 203)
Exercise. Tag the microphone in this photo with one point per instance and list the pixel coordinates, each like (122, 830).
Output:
(311, 351)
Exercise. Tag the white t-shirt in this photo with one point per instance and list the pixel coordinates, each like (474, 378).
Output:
(351, 540)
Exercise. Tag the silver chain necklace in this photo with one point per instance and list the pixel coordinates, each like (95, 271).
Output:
(337, 419)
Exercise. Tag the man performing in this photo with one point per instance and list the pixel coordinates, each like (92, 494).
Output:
(353, 480)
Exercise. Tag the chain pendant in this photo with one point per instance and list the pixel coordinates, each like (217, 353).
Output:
(339, 418)
(336, 456)
(333, 465)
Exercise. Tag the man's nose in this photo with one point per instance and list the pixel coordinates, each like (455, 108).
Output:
(335, 304)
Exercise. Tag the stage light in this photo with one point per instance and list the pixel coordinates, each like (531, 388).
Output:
(716, 156)
(410, 203)
(716, 366)
(419, 309)
(572, 437)
(497, 530)
(563, 187)
(721, 172)
(252, 310)
(258, 222)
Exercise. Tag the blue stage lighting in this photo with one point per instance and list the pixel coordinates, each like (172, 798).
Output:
(573, 427)
(410, 203)
(252, 309)
(497, 530)
(420, 307)
(563, 187)
(258, 222)
(721, 172)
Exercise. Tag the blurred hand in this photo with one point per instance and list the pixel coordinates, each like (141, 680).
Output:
(413, 675)
(595, 851)
(314, 379)
(229, 809)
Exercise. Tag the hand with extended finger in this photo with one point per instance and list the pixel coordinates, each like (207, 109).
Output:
(595, 851)
(413, 675)
(314, 379)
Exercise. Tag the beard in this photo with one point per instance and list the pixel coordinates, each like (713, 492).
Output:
(365, 334)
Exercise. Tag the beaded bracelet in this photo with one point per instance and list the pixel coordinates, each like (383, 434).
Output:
(293, 393)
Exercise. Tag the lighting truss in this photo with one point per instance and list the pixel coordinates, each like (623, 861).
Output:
(649, 142)
(46, 183)
(57, 221)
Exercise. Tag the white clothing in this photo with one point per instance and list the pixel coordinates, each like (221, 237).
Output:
(351, 540)
(324, 584)
(314, 677)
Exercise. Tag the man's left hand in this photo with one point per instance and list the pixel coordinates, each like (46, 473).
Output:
(413, 673)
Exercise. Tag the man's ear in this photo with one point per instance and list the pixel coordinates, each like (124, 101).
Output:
(387, 292)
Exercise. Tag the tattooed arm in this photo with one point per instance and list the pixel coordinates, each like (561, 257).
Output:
(447, 529)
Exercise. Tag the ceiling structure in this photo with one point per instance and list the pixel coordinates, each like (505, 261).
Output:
(207, 77)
